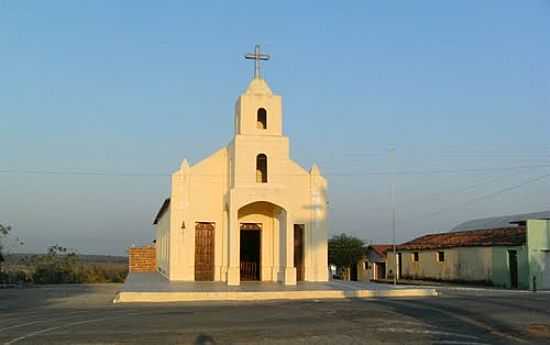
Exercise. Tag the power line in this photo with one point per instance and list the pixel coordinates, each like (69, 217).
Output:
(80, 173)
(438, 171)
(493, 194)
(507, 189)
(328, 173)
(483, 181)
(440, 194)
(450, 154)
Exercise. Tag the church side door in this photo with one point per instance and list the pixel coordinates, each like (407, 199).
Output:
(204, 251)
(299, 251)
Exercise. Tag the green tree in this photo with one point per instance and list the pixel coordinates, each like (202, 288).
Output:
(7, 241)
(344, 250)
(4, 232)
(9, 273)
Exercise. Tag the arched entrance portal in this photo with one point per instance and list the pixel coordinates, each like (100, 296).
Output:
(259, 226)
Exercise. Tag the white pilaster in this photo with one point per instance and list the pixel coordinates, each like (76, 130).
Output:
(234, 271)
(225, 246)
(287, 273)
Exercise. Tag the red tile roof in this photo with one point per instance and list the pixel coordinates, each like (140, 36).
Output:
(380, 249)
(473, 238)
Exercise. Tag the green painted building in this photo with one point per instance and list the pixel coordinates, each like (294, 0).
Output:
(538, 244)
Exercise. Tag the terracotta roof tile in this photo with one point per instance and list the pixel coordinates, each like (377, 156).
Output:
(380, 249)
(473, 238)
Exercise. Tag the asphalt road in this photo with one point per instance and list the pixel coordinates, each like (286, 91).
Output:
(85, 315)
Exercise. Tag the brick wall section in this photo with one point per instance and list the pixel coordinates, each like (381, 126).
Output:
(142, 259)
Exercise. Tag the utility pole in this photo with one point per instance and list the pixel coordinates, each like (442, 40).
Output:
(393, 215)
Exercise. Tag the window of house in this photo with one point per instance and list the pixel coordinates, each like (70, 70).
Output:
(440, 256)
(262, 119)
(261, 168)
(415, 256)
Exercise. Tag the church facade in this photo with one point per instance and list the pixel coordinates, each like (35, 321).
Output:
(248, 211)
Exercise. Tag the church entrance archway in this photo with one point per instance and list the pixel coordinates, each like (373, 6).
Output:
(251, 244)
(262, 227)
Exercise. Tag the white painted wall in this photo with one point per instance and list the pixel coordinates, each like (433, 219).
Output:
(162, 230)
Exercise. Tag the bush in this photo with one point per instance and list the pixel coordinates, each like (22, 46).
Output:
(103, 273)
(61, 266)
(14, 277)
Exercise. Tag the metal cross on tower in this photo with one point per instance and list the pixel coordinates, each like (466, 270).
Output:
(257, 56)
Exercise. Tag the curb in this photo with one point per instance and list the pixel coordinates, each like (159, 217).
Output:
(156, 297)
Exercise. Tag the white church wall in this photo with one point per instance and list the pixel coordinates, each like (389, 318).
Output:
(207, 189)
(198, 192)
(319, 226)
(162, 236)
(178, 236)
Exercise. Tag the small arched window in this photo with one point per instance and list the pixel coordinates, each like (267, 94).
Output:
(261, 168)
(262, 119)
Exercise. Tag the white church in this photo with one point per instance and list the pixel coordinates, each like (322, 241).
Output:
(248, 211)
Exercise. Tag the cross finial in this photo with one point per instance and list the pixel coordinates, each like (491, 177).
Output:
(257, 56)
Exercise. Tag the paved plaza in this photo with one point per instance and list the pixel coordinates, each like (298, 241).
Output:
(85, 314)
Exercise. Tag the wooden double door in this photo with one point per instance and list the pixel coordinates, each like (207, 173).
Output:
(204, 251)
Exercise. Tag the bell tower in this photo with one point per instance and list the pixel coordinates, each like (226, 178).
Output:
(259, 151)
(258, 111)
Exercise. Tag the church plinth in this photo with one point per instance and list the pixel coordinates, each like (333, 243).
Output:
(287, 276)
(233, 276)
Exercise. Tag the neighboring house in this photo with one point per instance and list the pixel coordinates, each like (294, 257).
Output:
(476, 256)
(515, 256)
(373, 265)
(248, 211)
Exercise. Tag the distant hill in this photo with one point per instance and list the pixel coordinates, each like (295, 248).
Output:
(17, 257)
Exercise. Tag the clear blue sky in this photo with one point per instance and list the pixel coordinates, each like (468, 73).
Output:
(460, 89)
